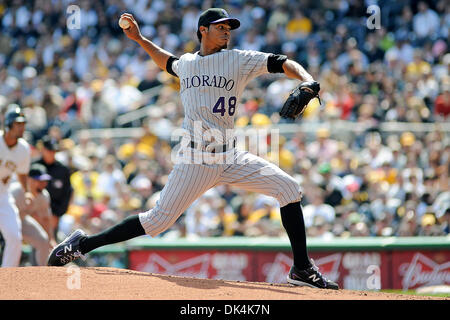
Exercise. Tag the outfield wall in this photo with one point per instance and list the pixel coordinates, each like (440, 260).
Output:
(355, 263)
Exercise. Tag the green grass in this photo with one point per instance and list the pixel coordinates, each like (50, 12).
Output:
(414, 293)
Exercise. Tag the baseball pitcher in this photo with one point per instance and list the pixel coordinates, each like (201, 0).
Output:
(211, 83)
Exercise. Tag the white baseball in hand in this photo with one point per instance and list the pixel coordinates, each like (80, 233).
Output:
(124, 23)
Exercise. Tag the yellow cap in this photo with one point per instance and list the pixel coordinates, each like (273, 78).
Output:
(259, 119)
(126, 151)
(407, 139)
(323, 133)
(428, 220)
(97, 85)
(242, 121)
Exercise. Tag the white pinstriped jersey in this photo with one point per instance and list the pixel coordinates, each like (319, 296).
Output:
(16, 159)
(211, 86)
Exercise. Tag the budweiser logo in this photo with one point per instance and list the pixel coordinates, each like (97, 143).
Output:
(227, 266)
(196, 267)
(329, 265)
(276, 272)
(422, 271)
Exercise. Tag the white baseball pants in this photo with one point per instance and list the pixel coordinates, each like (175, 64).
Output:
(11, 229)
(34, 234)
(188, 181)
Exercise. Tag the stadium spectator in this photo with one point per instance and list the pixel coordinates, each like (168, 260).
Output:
(425, 22)
(111, 179)
(324, 148)
(318, 207)
(59, 187)
(442, 102)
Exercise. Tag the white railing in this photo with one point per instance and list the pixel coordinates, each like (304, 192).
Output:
(141, 113)
(335, 127)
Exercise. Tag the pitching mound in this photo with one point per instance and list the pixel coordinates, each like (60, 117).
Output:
(55, 283)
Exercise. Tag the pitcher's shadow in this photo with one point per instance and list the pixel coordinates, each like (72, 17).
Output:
(202, 283)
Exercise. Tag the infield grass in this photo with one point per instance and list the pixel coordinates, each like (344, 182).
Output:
(414, 293)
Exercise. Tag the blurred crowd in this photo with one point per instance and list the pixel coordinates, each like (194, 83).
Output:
(72, 69)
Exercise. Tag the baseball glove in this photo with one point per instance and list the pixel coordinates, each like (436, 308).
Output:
(299, 98)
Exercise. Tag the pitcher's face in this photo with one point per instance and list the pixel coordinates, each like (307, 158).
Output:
(217, 34)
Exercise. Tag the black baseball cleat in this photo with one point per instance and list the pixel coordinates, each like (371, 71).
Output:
(310, 277)
(68, 250)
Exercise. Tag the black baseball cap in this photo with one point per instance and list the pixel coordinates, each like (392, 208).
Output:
(14, 114)
(39, 172)
(217, 15)
(50, 143)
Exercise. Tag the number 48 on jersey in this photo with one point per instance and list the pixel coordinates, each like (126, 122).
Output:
(219, 107)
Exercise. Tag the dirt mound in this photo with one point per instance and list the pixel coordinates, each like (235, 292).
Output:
(73, 283)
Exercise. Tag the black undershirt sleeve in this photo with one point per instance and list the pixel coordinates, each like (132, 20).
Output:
(169, 65)
(275, 63)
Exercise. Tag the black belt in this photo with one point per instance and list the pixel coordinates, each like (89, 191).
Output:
(218, 149)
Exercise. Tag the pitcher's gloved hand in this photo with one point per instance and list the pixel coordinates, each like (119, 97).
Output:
(299, 98)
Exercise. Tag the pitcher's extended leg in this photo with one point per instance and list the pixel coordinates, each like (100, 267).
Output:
(128, 229)
(179, 192)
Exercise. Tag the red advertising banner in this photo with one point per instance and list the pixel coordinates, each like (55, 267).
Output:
(352, 270)
(414, 269)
